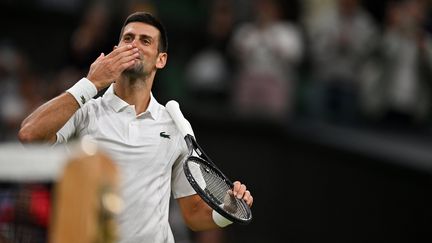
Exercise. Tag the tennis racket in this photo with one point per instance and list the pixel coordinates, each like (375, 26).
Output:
(205, 177)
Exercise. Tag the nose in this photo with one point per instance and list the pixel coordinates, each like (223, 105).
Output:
(134, 42)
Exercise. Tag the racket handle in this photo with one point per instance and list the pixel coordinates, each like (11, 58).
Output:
(182, 124)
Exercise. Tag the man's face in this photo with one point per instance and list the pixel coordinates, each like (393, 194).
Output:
(146, 38)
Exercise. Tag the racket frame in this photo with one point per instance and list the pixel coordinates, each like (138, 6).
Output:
(203, 158)
(187, 133)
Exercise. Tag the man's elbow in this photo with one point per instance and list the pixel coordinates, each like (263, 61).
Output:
(27, 135)
(192, 225)
(190, 219)
(196, 213)
(198, 223)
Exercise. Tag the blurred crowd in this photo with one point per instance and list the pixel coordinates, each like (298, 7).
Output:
(347, 62)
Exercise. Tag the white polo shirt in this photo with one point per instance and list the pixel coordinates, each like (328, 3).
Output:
(149, 152)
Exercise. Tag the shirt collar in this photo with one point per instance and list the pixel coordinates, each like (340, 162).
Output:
(118, 105)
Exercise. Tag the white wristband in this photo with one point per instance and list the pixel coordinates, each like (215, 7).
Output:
(220, 220)
(83, 91)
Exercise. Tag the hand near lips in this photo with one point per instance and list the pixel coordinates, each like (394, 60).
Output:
(106, 69)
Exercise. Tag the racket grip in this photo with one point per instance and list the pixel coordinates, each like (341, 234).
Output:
(182, 124)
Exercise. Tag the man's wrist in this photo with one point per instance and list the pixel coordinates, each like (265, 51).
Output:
(83, 91)
(220, 220)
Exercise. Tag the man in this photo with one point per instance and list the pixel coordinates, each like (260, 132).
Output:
(135, 130)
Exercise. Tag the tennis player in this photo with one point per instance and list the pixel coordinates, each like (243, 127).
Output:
(133, 128)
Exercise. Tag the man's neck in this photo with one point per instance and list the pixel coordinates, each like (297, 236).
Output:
(135, 92)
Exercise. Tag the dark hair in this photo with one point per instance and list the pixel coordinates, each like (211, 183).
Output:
(149, 19)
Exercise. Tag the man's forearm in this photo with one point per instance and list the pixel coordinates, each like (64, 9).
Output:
(196, 213)
(43, 124)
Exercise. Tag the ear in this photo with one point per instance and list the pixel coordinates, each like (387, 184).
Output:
(161, 60)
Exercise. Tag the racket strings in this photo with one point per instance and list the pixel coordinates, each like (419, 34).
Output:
(217, 188)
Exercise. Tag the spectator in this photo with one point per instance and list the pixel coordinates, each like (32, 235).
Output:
(19, 93)
(209, 72)
(397, 79)
(268, 50)
(340, 38)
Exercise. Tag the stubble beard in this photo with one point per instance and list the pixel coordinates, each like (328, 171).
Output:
(135, 72)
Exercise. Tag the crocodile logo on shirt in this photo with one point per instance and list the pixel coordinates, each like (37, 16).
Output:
(162, 134)
(83, 100)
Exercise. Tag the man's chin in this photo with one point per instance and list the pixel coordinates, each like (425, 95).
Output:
(136, 70)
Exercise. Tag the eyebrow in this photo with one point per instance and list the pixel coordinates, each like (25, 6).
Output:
(141, 36)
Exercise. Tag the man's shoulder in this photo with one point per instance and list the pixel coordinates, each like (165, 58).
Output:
(97, 101)
(92, 105)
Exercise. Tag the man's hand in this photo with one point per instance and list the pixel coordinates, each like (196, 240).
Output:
(106, 69)
(239, 191)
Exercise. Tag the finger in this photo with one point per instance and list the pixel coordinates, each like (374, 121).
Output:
(101, 56)
(247, 197)
(249, 202)
(124, 66)
(122, 58)
(241, 191)
(125, 52)
(114, 55)
(236, 187)
(127, 56)
(98, 60)
(103, 69)
(126, 59)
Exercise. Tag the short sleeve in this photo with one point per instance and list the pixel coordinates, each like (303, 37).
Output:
(72, 126)
(179, 184)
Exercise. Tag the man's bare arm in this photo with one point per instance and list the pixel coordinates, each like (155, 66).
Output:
(43, 124)
(198, 215)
